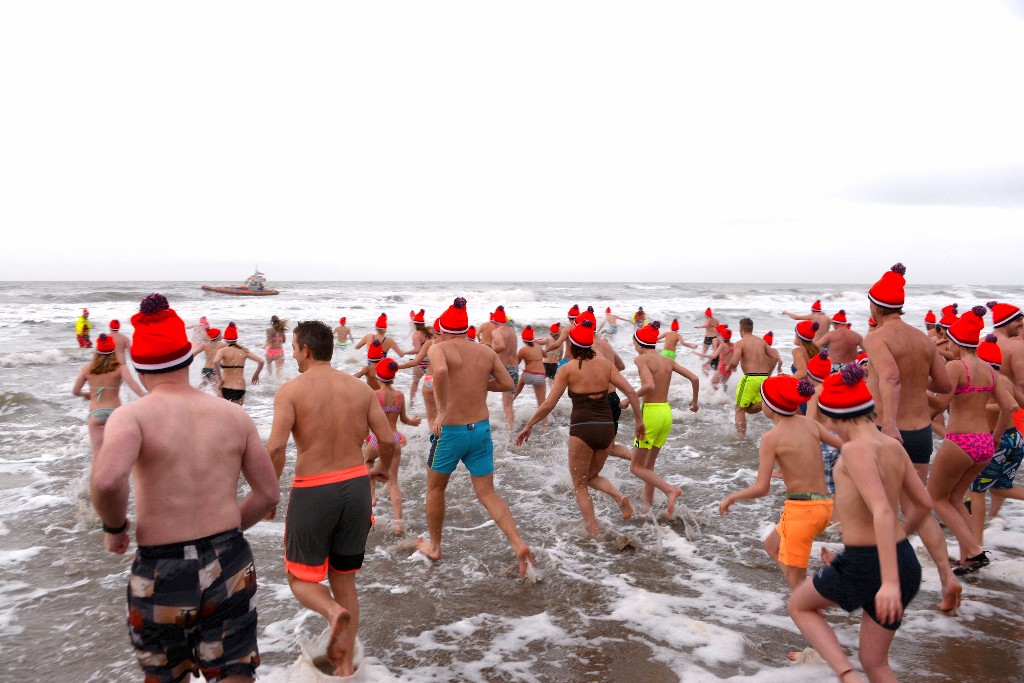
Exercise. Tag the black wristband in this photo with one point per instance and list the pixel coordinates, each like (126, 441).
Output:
(119, 530)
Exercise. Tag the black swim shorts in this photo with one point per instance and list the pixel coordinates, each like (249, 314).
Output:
(918, 444)
(550, 369)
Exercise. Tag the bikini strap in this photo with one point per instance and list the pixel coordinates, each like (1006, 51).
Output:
(968, 371)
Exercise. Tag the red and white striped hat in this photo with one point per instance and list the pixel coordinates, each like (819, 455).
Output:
(845, 395)
(160, 343)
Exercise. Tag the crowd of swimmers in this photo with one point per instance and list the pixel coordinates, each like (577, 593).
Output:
(851, 437)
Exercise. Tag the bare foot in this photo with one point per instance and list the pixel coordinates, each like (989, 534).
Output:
(951, 592)
(525, 559)
(676, 492)
(399, 527)
(626, 507)
(428, 549)
(337, 645)
(827, 556)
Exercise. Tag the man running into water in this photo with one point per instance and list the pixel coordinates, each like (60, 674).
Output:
(655, 376)
(843, 343)
(612, 321)
(905, 366)
(709, 325)
(329, 413)
(463, 374)
(343, 335)
(753, 355)
(816, 315)
(192, 590)
(673, 339)
(214, 343)
(504, 343)
(122, 344)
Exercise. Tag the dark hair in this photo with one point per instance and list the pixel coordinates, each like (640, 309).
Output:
(746, 325)
(581, 353)
(317, 336)
(278, 324)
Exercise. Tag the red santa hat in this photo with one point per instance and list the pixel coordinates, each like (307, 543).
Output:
(805, 330)
(105, 344)
(160, 342)
(573, 312)
(437, 326)
(816, 307)
(845, 395)
(707, 312)
(966, 331)
(382, 321)
(499, 316)
(872, 322)
(724, 330)
(1003, 314)
(412, 315)
(85, 312)
(582, 335)
(888, 291)
(840, 317)
(819, 366)
(528, 334)
(929, 317)
(420, 317)
(555, 329)
(587, 315)
(386, 371)
(608, 310)
(675, 325)
(375, 351)
(231, 333)
(862, 358)
(784, 393)
(455, 320)
(989, 351)
(341, 321)
(769, 337)
(948, 316)
(647, 336)
(115, 325)
(213, 333)
(471, 333)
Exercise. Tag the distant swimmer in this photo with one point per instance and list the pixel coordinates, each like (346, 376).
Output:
(655, 376)
(230, 365)
(193, 579)
(104, 374)
(505, 344)
(273, 347)
(816, 315)
(794, 443)
(328, 413)
(709, 325)
(214, 343)
(122, 344)
(843, 343)
(343, 335)
(905, 366)
(591, 428)
(82, 327)
(672, 340)
(533, 371)
(463, 374)
(878, 569)
(757, 360)
(612, 321)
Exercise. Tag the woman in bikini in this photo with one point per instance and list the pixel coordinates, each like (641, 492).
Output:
(274, 346)
(230, 364)
(969, 443)
(104, 374)
(393, 404)
(718, 360)
(421, 339)
(592, 427)
(804, 347)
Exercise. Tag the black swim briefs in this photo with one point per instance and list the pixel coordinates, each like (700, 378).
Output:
(918, 444)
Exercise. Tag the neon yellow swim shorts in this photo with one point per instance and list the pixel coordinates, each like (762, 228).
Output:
(668, 354)
(657, 424)
(748, 391)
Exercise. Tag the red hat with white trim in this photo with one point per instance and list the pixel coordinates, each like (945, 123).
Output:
(115, 325)
(769, 337)
(840, 317)
(105, 344)
(989, 351)
(724, 330)
(816, 307)
(707, 312)
(386, 371)
(647, 336)
(582, 335)
(587, 315)
(382, 321)
(160, 343)
(555, 329)
(573, 312)
(470, 333)
(948, 316)
(862, 358)
(805, 330)
(437, 326)
(929, 317)
(231, 333)
(1003, 314)
(675, 325)
(213, 333)
(528, 334)
(845, 395)
(342, 320)
(967, 330)
(888, 291)
(819, 366)
(499, 316)
(455, 320)
(375, 351)
(784, 393)
(420, 317)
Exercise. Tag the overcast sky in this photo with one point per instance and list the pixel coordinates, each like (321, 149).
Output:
(671, 141)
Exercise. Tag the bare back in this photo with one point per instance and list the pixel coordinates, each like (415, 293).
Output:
(842, 344)
(900, 351)
(886, 457)
(660, 369)
(754, 356)
(503, 342)
(795, 443)
(461, 372)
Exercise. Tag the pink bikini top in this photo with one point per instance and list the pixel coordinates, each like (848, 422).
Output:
(397, 408)
(971, 388)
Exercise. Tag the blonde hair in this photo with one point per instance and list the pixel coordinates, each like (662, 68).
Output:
(102, 363)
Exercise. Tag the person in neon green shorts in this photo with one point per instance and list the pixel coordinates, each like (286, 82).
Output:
(756, 358)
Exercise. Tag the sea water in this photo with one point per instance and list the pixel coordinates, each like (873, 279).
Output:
(693, 599)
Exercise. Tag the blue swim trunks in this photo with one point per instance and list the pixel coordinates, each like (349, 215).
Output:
(562, 362)
(470, 444)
